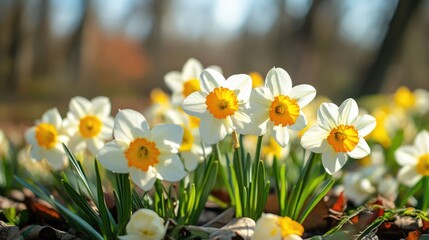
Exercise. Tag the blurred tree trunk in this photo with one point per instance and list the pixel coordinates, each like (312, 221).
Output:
(14, 47)
(42, 44)
(154, 43)
(373, 79)
(76, 42)
(305, 31)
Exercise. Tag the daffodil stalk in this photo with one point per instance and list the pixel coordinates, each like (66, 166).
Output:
(246, 182)
(193, 196)
(313, 183)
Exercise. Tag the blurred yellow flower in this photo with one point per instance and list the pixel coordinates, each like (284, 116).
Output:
(257, 79)
(273, 227)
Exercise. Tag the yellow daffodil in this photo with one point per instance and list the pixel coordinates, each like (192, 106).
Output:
(145, 224)
(144, 153)
(414, 160)
(338, 134)
(89, 123)
(46, 139)
(221, 105)
(273, 227)
(277, 106)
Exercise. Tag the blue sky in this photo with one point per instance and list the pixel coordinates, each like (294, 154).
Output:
(218, 20)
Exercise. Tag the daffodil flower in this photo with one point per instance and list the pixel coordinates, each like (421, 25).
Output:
(277, 106)
(414, 160)
(192, 151)
(145, 224)
(273, 227)
(220, 105)
(338, 134)
(183, 83)
(89, 123)
(46, 139)
(147, 154)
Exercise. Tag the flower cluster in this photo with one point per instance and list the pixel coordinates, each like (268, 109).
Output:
(185, 138)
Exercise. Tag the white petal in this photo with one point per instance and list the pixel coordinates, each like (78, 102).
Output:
(170, 168)
(241, 122)
(422, 142)
(168, 137)
(211, 79)
(258, 123)
(30, 136)
(365, 124)
(280, 134)
(53, 117)
(327, 116)
(348, 111)
(278, 82)
(106, 132)
(174, 81)
(300, 123)
(37, 153)
(126, 122)
(408, 176)
(332, 161)
(131, 237)
(112, 157)
(212, 130)
(292, 237)
(76, 143)
(314, 138)
(242, 83)
(56, 158)
(361, 150)
(143, 180)
(101, 106)
(79, 106)
(191, 69)
(303, 93)
(190, 160)
(406, 155)
(195, 104)
(94, 144)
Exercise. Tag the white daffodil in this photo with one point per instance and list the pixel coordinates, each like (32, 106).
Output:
(414, 160)
(192, 151)
(183, 83)
(339, 133)
(220, 105)
(145, 224)
(144, 153)
(277, 106)
(273, 227)
(89, 123)
(46, 139)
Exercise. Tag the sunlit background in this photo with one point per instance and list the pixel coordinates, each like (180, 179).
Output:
(52, 50)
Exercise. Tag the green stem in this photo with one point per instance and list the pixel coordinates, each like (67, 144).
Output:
(297, 190)
(124, 188)
(425, 192)
(258, 148)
